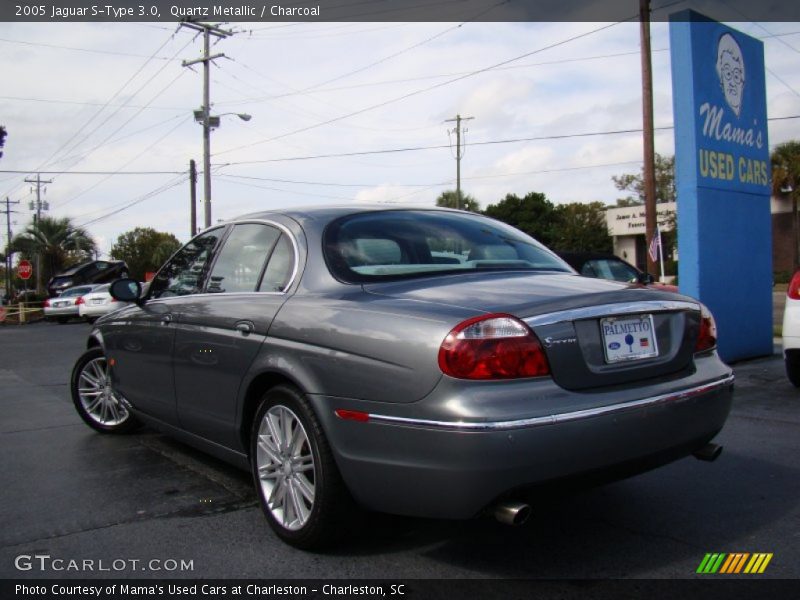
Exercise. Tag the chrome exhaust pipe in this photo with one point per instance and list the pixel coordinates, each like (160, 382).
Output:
(709, 452)
(511, 513)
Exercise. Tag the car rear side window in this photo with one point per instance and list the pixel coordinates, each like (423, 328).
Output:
(185, 273)
(242, 258)
(609, 269)
(280, 267)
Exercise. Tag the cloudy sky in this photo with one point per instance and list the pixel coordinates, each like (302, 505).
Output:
(107, 108)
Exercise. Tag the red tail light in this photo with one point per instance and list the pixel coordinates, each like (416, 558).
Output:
(707, 338)
(47, 303)
(80, 300)
(793, 291)
(492, 347)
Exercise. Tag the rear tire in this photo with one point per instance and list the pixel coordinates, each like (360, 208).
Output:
(792, 362)
(94, 397)
(299, 486)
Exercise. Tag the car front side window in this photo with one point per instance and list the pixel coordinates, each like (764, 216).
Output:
(186, 272)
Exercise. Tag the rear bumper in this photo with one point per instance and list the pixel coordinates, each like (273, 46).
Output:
(67, 311)
(453, 469)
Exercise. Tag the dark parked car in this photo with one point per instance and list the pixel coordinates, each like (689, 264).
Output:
(96, 271)
(610, 266)
(335, 355)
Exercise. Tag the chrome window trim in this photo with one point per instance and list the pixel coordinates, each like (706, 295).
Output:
(610, 310)
(558, 418)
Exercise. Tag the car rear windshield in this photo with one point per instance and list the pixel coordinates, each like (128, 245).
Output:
(388, 245)
(61, 280)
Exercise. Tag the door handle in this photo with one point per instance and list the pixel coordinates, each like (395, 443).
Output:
(245, 327)
(166, 319)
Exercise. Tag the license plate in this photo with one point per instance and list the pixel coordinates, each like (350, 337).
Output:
(628, 338)
(60, 304)
(97, 301)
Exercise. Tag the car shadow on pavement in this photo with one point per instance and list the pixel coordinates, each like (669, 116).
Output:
(659, 524)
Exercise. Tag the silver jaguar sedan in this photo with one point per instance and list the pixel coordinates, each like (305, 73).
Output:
(420, 362)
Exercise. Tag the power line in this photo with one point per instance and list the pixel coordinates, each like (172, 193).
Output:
(77, 103)
(147, 196)
(22, 172)
(480, 143)
(107, 177)
(417, 92)
(97, 113)
(76, 49)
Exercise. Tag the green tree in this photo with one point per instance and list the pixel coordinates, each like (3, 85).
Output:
(581, 227)
(634, 182)
(60, 244)
(534, 214)
(448, 199)
(144, 249)
(785, 160)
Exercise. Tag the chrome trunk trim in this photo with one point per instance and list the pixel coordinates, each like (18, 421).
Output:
(600, 411)
(610, 310)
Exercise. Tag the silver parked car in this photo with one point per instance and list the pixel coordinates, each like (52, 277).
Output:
(336, 354)
(67, 305)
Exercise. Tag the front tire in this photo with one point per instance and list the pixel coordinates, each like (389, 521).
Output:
(94, 397)
(299, 486)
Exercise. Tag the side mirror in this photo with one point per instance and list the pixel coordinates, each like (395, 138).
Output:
(646, 278)
(126, 290)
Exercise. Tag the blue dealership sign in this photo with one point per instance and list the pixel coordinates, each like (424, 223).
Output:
(722, 173)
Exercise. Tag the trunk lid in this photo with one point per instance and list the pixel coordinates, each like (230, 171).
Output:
(594, 332)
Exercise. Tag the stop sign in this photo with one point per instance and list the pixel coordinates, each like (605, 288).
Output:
(24, 269)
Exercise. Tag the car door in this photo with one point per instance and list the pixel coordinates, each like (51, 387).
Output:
(220, 331)
(141, 339)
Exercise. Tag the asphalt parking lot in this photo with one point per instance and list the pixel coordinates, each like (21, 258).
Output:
(73, 494)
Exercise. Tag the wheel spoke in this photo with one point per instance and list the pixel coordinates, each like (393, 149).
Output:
(112, 406)
(91, 406)
(93, 381)
(285, 428)
(278, 495)
(298, 507)
(264, 446)
(269, 472)
(303, 464)
(305, 487)
(274, 433)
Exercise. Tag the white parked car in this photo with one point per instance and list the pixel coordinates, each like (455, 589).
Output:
(791, 330)
(67, 305)
(97, 303)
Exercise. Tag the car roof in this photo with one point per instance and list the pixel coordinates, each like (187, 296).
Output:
(330, 212)
(75, 268)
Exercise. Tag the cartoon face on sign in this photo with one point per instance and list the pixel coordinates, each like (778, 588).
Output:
(730, 69)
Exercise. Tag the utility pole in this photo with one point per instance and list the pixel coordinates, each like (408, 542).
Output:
(192, 198)
(8, 212)
(459, 154)
(36, 218)
(204, 114)
(650, 218)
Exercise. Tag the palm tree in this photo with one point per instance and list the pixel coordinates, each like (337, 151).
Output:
(58, 242)
(785, 160)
